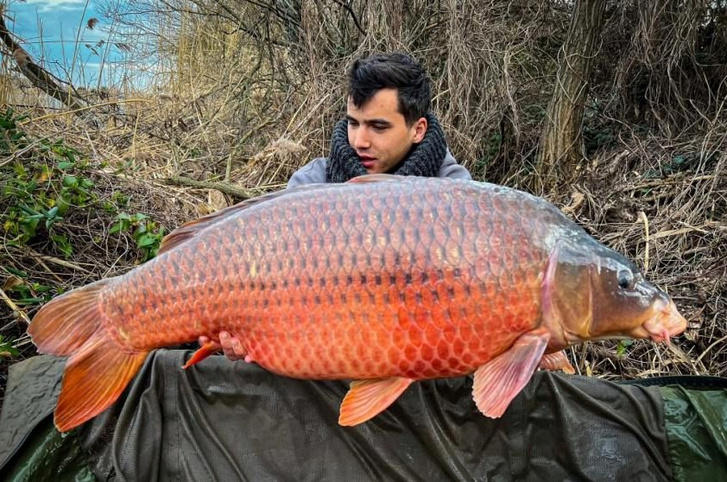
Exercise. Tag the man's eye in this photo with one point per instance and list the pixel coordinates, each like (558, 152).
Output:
(380, 128)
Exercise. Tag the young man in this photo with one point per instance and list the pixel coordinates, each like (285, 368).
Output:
(388, 129)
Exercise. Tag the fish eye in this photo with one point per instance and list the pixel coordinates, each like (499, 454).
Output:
(626, 279)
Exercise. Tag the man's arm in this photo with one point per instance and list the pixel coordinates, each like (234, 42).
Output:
(312, 173)
(450, 168)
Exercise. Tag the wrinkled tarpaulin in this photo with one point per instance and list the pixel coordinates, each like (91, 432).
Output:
(235, 421)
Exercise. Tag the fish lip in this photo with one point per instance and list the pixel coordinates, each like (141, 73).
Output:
(666, 322)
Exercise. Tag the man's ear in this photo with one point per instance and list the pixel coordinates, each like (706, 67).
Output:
(420, 129)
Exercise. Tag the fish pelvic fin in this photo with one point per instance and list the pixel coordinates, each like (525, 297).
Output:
(367, 398)
(557, 361)
(498, 381)
(203, 352)
(98, 369)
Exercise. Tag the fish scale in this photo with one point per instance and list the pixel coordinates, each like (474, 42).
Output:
(383, 280)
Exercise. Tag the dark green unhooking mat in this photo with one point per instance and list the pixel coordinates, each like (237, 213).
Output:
(235, 421)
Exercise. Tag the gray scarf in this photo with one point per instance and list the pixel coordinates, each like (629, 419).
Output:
(424, 159)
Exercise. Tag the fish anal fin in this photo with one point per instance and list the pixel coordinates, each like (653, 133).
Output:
(498, 381)
(93, 379)
(379, 177)
(557, 361)
(367, 398)
(203, 352)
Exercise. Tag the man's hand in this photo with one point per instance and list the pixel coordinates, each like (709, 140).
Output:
(231, 346)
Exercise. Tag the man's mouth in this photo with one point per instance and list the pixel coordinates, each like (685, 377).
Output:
(367, 161)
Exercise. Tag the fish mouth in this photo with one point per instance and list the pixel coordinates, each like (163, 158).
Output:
(664, 324)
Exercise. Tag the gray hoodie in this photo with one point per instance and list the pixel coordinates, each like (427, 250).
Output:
(315, 171)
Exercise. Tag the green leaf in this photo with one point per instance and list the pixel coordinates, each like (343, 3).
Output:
(16, 272)
(63, 244)
(622, 346)
(62, 203)
(30, 301)
(70, 181)
(41, 288)
(7, 349)
(27, 210)
(63, 165)
(146, 240)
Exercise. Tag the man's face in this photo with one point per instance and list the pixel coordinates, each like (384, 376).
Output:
(378, 131)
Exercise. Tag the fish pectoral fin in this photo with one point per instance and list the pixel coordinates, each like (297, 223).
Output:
(203, 352)
(498, 381)
(367, 398)
(557, 361)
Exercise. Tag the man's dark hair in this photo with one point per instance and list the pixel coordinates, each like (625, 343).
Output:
(393, 70)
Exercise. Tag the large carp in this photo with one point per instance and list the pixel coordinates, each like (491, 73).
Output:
(384, 280)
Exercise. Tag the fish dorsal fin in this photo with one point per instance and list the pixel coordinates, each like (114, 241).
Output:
(376, 178)
(367, 398)
(498, 381)
(190, 229)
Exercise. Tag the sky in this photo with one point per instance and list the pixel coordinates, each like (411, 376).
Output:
(47, 30)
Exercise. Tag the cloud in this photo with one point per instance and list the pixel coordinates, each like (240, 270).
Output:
(54, 5)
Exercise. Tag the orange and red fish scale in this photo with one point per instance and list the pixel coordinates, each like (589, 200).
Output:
(367, 281)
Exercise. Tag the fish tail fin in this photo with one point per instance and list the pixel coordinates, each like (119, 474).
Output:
(98, 369)
(64, 324)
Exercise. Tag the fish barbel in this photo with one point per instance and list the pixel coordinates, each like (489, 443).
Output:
(384, 280)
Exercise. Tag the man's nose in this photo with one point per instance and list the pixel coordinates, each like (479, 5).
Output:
(359, 139)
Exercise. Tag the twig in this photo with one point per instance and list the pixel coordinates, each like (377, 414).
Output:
(60, 262)
(223, 187)
(699, 358)
(92, 106)
(14, 307)
(645, 220)
(353, 16)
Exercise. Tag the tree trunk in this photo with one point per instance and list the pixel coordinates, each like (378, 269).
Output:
(561, 145)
